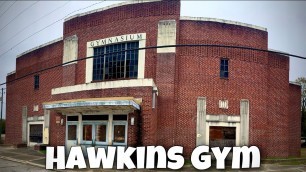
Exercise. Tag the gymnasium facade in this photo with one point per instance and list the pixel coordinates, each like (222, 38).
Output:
(186, 96)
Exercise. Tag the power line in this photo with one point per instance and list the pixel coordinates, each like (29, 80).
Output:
(34, 23)
(154, 47)
(18, 15)
(7, 8)
(48, 26)
(2, 2)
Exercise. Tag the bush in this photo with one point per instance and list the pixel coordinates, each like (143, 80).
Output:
(2, 124)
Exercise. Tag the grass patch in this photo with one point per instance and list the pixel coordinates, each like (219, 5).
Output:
(187, 162)
(293, 162)
(288, 160)
(43, 151)
(303, 152)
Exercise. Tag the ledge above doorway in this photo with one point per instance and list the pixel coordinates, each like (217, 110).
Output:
(91, 105)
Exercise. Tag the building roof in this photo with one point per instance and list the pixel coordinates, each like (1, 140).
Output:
(40, 46)
(223, 21)
(111, 6)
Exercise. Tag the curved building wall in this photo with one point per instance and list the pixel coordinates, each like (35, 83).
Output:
(256, 98)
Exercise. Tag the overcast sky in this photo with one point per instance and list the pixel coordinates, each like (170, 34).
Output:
(27, 24)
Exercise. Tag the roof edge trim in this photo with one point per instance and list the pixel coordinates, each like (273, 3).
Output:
(223, 21)
(295, 83)
(10, 73)
(110, 7)
(40, 46)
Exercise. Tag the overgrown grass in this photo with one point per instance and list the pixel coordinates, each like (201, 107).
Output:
(289, 160)
(43, 151)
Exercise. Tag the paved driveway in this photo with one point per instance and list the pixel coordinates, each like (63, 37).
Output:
(11, 166)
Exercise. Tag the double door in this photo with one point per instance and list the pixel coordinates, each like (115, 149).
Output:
(98, 134)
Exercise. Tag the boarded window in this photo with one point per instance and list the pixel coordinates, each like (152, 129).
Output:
(222, 136)
(36, 133)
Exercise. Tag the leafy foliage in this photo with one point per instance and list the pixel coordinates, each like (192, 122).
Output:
(2, 124)
(302, 82)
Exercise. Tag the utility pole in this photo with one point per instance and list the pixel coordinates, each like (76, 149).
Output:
(2, 90)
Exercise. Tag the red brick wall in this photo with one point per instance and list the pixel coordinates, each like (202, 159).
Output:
(165, 81)
(294, 116)
(129, 19)
(181, 78)
(260, 77)
(87, 28)
(277, 109)
(21, 93)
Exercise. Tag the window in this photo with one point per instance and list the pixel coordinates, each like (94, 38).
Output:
(87, 132)
(72, 132)
(36, 134)
(222, 136)
(101, 133)
(36, 82)
(115, 65)
(224, 68)
(94, 129)
(95, 132)
(119, 133)
(120, 129)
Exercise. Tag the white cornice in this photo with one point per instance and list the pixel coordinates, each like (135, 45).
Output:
(111, 6)
(40, 46)
(222, 21)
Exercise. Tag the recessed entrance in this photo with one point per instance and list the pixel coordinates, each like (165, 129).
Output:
(222, 136)
(96, 130)
(35, 133)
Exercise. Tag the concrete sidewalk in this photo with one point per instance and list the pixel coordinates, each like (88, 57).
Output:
(23, 155)
(35, 158)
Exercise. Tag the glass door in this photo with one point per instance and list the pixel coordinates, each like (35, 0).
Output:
(72, 135)
(120, 133)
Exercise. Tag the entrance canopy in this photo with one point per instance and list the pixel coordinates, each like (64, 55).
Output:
(94, 105)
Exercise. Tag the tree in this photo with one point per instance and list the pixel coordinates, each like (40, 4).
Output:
(2, 123)
(302, 82)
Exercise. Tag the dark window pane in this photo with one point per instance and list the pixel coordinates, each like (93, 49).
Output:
(101, 133)
(116, 65)
(94, 117)
(224, 68)
(222, 136)
(36, 82)
(120, 117)
(119, 133)
(72, 118)
(87, 132)
(72, 132)
(36, 133)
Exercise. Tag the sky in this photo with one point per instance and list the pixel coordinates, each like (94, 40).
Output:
(27, 24)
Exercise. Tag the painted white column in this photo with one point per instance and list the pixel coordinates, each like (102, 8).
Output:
(70, 49)
(79, 129)
(46, 126)
(166, 36)
(110, 129)
(24, 123)
(201, 121)
(244, 113)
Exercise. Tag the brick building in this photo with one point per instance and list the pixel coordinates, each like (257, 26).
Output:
(170, 96)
